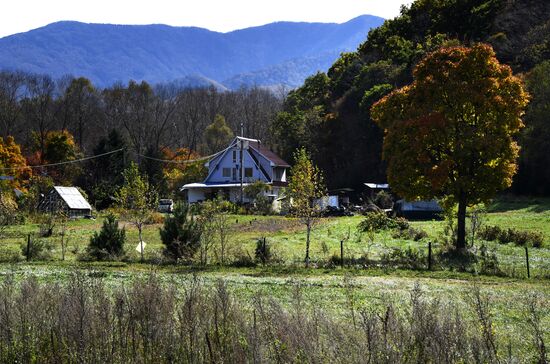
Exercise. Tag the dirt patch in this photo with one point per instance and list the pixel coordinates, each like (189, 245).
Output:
(271, 225)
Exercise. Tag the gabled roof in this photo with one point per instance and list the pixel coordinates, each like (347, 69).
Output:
(256, 146)
(268, 154)
(73, 198)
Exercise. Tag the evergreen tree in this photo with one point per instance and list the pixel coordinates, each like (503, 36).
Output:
(103, 176)
(181, 234)
(109, 242)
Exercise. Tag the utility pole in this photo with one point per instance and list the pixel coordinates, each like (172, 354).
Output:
(241, 163)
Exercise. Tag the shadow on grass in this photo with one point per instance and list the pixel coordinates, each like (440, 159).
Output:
(505, 204)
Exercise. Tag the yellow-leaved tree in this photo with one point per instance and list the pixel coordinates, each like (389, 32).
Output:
(306, 185)
(138, 200)
(15, 173)
(450, 134)
(13, 163)
(188, 167)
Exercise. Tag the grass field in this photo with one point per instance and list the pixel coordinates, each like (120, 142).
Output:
(323, 285)
(287, 238)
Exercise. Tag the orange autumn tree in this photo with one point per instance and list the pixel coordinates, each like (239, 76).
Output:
(450, 134)
(12, 163)
(187, 169)
(59, 147)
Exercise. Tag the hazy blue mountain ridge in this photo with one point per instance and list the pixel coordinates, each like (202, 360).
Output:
(277, 53)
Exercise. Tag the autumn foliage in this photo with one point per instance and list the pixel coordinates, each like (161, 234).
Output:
(13, 163)
(306, 185)
(59, 147)
(450, 134)
(187, 167)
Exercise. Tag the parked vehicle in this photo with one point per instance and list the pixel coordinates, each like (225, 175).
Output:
(330, 211)
(166, 205)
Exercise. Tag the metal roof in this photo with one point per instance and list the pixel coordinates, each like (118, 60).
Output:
(73, 198)
(215, 185)
(382, 186)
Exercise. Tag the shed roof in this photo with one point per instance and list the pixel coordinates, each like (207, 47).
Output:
(73, 198)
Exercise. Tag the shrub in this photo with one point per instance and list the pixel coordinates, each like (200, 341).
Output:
(155, 218)
(383, 200)
(109, 242)
(460, 260)
(490, 233)
(537, 239)
(410, 234)
(404, 258)
(8, 255)
(181, 234)
(243, 260)
(37, 249)
(377, 221)
(47, 224)
(263, 251)
(518, 237)
(260, 202)
(488, 261)
(362, 261)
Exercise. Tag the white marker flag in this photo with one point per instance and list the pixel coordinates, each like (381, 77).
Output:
(138, 247)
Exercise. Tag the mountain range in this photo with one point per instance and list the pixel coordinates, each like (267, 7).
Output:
(282, 53)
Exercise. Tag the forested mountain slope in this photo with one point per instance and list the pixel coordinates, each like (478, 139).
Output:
(329, 114)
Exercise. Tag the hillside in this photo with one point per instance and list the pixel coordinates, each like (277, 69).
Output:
(264, 55)
(347, 145)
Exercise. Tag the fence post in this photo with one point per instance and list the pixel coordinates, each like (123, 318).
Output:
(430, 255)
(264, 253)
(527, 262)
(342, 253)
(28, 247)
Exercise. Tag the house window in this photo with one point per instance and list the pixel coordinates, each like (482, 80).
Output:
(278, 174)
(226, 172)
(248, 172)
(234, 173)
(234, 156)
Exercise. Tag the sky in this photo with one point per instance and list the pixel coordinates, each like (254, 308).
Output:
(219, 15)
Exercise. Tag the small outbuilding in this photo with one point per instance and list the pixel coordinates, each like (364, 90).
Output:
(66, 199)
(418, 210)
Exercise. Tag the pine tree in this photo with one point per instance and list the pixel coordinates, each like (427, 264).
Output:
(109, 242)
(181, 234)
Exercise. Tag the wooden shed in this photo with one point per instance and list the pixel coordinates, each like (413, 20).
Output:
(66, 199)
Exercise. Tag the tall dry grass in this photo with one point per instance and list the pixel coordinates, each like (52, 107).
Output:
(85, 320)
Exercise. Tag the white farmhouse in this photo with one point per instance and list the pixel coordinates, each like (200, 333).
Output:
(243, 162)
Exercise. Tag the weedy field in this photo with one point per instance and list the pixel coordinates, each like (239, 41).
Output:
(363, 284)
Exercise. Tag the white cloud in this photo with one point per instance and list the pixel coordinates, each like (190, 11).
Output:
(220, 15)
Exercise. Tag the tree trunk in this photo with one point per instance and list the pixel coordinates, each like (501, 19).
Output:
(461, 224)
(307, 243)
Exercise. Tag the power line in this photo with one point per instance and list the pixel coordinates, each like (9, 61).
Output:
(182, 162)
(62, 163)
(109, 153)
